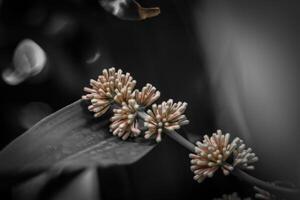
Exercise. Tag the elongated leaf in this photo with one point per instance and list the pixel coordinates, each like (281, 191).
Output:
(68, 140)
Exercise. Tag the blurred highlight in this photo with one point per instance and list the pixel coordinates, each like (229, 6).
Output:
(128, 9)
(29, 60)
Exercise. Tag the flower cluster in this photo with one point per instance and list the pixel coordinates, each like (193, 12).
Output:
(115, 87)
(109, 87)
(214, 153)
(167, 115)
(124, 122)
(147, 96)
(243, 157)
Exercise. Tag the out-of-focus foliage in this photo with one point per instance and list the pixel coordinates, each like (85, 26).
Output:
(29, 59)
(128, 9)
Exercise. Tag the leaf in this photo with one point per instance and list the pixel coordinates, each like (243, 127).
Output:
(68, 140)
(128, 9)
(75, 186)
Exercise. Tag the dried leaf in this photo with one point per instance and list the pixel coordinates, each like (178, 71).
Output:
(68, 140)
(128, 9)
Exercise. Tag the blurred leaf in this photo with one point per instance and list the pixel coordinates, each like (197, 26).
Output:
(128, 9)
(66, 141)
(33, 112)
(29, 59)
(75, 186)
(84, 186)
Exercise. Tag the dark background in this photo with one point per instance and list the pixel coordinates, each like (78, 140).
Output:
(235, 63)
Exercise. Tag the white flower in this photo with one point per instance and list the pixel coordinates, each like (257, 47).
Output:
(214, 153)
(109, 87)
(147, 96)
(167, 115)
(124, 87)
(124, 122)
(243, 157)
(210, 155)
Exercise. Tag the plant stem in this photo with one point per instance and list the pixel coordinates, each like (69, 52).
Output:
(142, 114)
(277, 190)
(271, 187)
(172, 134)
(181, 140)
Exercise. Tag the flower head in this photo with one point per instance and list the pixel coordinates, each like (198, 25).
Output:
(111, 86)
(167, 115)
(243, 157)
(147, 96)
(124, 87)
(124, 122)
(214, 153)
(210, 155)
